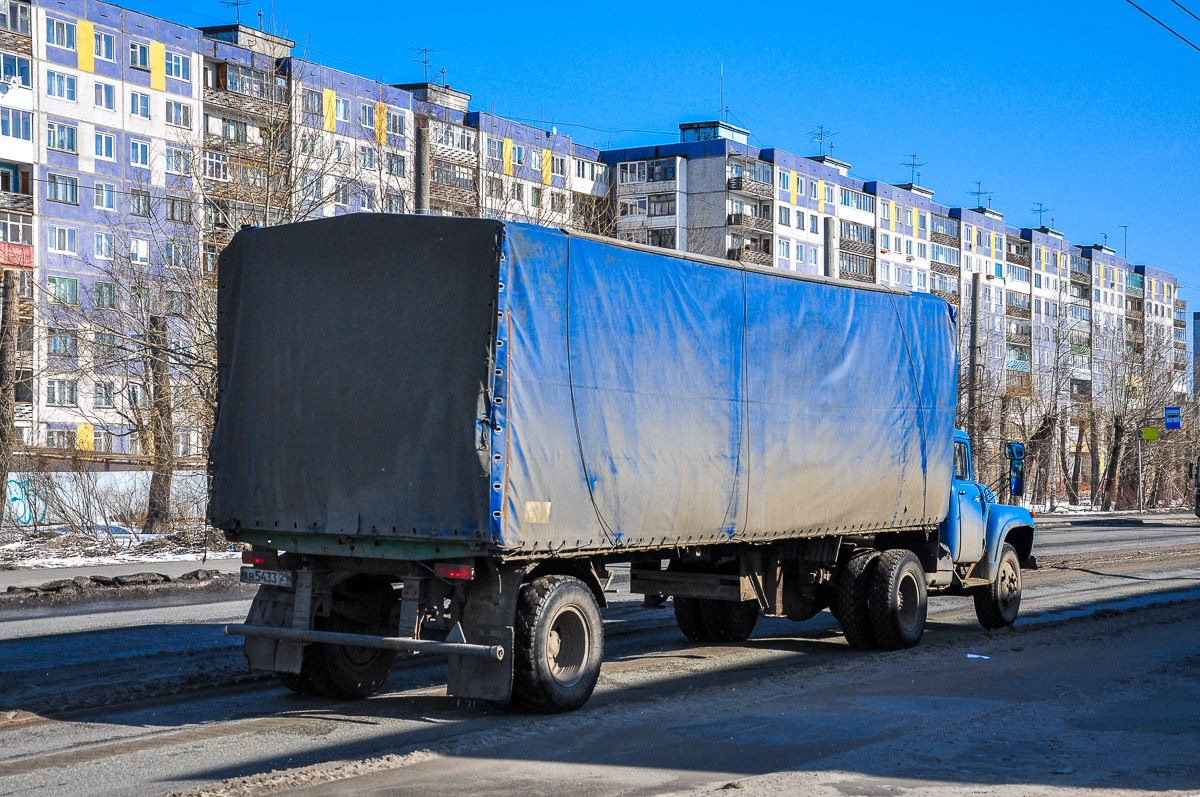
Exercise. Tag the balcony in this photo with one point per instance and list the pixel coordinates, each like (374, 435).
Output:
(1138, 292)
(1181, 345)
(943, 239)
(749, 222)
(857, 247)
(947, 295)
(1180, 323)
(1180, 304)
(945, 268)
(1019, 338)
(273, 105)
(1180, 366)
(746, 254)
(1012, 311)
(18, 203)
(1081, 348)
(1017, 383)
(748, 185)
(15, 36)
(1020, 260)
(1081, 277)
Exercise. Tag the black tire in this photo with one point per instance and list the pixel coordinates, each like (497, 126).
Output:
(687, 617)
(345, 671)
(998, 603)
(850, 602)
(898, 601)
(559, 645)
(728, 621)
(298, 682)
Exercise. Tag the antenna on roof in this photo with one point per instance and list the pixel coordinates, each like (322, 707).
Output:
(979, 194)
(236, 5)
(820, 136)
(1041, 210)
(424, 59)
(914, 176)
(443, 77)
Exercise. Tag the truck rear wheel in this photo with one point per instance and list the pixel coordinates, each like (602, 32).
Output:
(850, 602)
(687, 617)
(728, 621)
(345, 671)
(297, 682)
(559, 645)
(997, 604)
(898, 600)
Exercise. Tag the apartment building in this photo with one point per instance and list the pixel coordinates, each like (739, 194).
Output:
(133, 148)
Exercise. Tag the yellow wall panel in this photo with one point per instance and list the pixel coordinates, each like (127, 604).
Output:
(158, 66)
(85, 437)
(821, 195)
(795, 178)
(508, 153)
(329, 106)
(380, 124)
(86, 46)
(546, 155)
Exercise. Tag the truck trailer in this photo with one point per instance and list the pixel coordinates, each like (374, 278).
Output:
(436, 435)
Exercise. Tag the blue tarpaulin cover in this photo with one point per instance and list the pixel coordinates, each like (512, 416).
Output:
(658, 400)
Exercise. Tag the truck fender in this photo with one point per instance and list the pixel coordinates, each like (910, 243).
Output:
(1010, 524)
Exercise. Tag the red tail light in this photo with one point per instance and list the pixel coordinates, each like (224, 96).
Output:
(460, 572)
(268, 559)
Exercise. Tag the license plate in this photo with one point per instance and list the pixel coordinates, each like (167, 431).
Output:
(274, 578)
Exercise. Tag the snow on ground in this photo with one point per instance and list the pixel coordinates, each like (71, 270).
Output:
(58, 547)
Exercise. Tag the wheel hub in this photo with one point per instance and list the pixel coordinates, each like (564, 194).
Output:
(568, 646)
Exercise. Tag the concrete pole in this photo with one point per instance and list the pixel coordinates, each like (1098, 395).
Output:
(973, 361)
(421, 169)
(1140, 505)
(9, 322)
(831, 247)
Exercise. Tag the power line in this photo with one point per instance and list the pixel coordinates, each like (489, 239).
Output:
(1186, 11)
(1174, 32)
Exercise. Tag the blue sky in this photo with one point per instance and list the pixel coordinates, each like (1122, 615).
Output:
(1087, 107)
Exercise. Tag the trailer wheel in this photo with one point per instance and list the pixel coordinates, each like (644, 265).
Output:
(687, 617)
(346, 671)
(559, 645)
(850, 602)
(298, 682)
(898, 600)
(997, 604)
(728, 621)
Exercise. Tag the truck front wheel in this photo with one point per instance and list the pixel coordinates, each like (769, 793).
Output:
(997, 604)
(559, 645)
(898, 600)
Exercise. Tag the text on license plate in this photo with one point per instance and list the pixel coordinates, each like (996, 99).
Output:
(274, 578)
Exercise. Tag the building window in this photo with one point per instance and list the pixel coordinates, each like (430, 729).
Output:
(139, 250)
(63, 290)
(634, 172)
(60, 34)
(366, 115)
(139, 202)
(341, 109)
(535, 197)
(884, 242)
(14, 16)
(395, 164)
(922, 250)
(235, 130)
(177, 256)
(104, 246)
(60, 85)
(64, 138)
(104, 46)
(139, 55)
(518, 154)
(558, 202)
(179, 66)
(105, 196)
(179, 114)
(517, 193)
(495, 188)
(785, 214)
(634, 206)
(812, 222)
(799, 252)
(311, 102)
(16, 124)
(17, 228)
(785, 180)
(61, 393)
(395, 126)
(341, 193)
(858, 200)
(785, 248)
(60, 438)
(662, 205)
(106, 96)
(103, 396)
(558, 165)
(62, 240)
(366, 157)
(179, 209)
(829, 193)
(177, 161)
(60, 188)
(139, 104)
(62, 342)
(139, 153)
(104, 146)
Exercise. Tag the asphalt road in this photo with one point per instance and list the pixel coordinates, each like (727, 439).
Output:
(156, 699)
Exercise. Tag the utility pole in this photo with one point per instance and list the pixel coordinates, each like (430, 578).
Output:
(9, 322)
(973, 360)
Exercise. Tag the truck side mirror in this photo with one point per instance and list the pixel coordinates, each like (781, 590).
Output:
(1014, 451)
(1016, 477)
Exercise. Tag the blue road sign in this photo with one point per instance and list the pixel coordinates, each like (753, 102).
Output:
(1172, 417)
